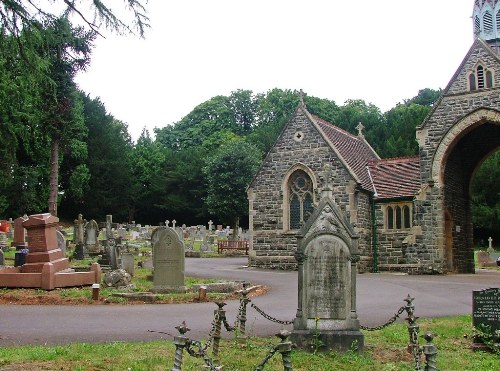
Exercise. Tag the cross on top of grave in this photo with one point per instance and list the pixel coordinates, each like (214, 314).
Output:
(173, 223)
(167, 222)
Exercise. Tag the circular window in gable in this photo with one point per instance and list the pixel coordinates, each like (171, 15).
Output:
(298, 136)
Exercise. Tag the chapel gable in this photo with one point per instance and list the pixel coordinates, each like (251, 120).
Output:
(478, 71)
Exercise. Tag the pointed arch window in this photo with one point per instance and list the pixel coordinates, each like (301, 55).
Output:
(481, 78)
(300, 190)
(489, 79)
(472, 82)
(477, 25)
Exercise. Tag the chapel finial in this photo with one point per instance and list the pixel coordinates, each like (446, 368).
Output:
(360, 128)
(301, 97)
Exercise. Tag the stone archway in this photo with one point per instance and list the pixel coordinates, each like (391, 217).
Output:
(458, 155)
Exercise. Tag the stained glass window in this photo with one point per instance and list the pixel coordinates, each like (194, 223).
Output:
(301, 200)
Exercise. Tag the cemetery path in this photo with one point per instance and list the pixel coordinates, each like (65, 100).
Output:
(379, 296)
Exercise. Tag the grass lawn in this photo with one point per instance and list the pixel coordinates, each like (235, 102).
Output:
(384, 350)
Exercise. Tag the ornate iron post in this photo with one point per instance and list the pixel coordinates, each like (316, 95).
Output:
(285, 348)
(413, 329)
(242, 315)
(220, 315)
(180, 342)
(430, 352)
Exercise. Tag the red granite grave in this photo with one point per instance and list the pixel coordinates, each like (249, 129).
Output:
(46, 266)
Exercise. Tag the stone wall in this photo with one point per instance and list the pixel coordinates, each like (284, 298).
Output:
(455, 122)
(272, 244)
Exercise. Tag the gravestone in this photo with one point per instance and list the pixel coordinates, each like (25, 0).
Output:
(327, 252)
(3, 241)
(91, 236)
(168, 261)
(61, 242)
(122, 233)
(127, 263)
(486, 309)
(2, 258)
(79, 239)
(19, 233)
(109, 230)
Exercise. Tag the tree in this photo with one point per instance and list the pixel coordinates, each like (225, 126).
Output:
(425, 97)
(67, 51)
(402, 121)
(17, 16)
(485, 193)
(228, 173)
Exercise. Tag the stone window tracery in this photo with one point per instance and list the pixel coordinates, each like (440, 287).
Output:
(398, 216)
(300, 190)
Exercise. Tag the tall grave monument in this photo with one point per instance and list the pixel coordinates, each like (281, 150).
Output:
(46, 266)
(327, 253)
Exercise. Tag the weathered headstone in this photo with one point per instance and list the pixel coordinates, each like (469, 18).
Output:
(109, 227)
(327, 253)
(121, 232)
(127, 262)
(79, 239)
(61, 242)
(2, 258)
(91, 236)
(3, 241)
(19, 233)
(168, 261)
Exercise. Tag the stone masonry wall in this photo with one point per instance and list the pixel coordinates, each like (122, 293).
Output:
(457, 104)
(272, 245)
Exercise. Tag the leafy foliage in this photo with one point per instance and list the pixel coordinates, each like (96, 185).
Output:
(486, 198)
(228, 173)
(20, 15)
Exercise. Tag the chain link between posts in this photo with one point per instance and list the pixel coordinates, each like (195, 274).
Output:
(389, 322)
(270, 318)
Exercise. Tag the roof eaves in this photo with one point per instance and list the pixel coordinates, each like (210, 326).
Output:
(325, 137)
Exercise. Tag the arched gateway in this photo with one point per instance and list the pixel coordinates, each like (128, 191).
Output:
(411, 214)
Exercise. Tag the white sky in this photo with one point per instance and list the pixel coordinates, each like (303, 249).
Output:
(381, 51)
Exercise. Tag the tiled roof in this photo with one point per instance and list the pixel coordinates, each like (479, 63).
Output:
(354, 150)
(395, 177)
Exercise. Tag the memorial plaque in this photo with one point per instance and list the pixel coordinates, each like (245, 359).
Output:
(486, 310)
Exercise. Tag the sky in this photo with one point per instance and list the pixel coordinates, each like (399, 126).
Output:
(381, 51)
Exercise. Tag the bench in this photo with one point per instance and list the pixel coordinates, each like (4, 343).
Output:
(232, 245)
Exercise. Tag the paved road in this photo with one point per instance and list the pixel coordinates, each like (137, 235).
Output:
(379, 297)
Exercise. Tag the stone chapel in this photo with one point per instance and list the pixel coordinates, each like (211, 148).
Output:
(412, 214)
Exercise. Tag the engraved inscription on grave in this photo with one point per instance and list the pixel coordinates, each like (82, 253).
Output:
(486, 309)
(327, 272)
(168, 258)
